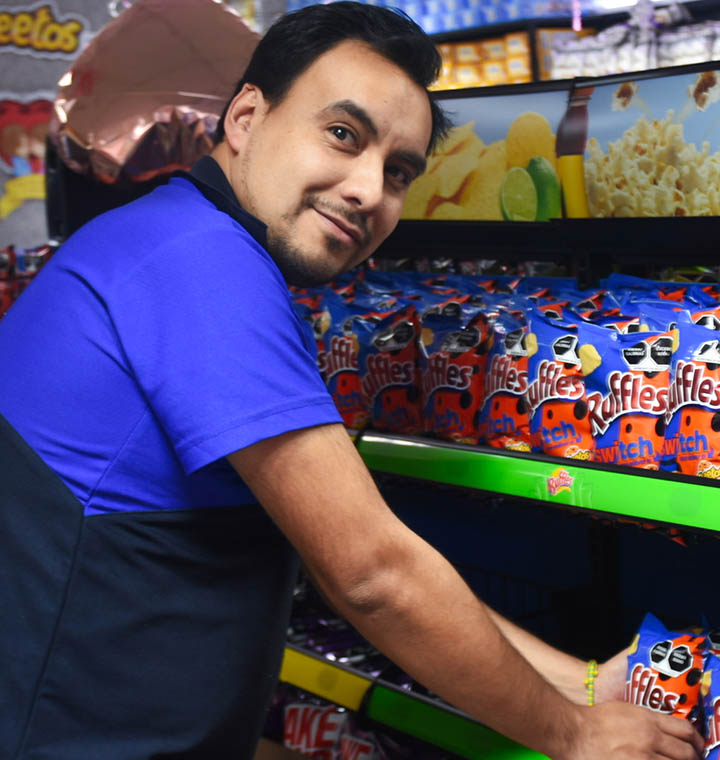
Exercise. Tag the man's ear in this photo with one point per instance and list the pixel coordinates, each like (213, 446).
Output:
(245, 109)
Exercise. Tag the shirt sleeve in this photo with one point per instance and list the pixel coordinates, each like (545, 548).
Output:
(210, 335)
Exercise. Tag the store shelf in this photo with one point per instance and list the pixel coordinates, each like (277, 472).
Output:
(411, 714)
(315, 674)
(657, 241)
(443, 727)
(644, 495)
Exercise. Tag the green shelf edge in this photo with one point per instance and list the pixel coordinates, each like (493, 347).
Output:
(632, 494)
(443, 728)
(408, 713)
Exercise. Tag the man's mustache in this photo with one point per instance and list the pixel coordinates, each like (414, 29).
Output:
(352, 217)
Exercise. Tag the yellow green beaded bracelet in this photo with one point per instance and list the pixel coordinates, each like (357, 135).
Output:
(589, 682)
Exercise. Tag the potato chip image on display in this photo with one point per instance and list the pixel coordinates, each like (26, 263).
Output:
(530, 135)
(479, 196)
(447, 169)
(513, 179)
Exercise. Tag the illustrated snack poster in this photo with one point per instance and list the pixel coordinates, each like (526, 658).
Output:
(499, 162)
(39, 39)
(653, 146)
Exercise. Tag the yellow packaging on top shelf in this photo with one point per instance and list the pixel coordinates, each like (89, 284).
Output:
(487, 62)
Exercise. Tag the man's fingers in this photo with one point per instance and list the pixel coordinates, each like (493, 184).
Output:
(677, 735)
(673, 748)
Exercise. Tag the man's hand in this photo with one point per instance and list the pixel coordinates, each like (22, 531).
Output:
(628, 732)
(610, 681)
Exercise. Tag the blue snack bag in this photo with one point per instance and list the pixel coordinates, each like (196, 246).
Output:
(453, 358)
(338, 357)
(628, 386)
(557, 401)
(504, 418)
(692, 444)
(710, 693)
(388, 367)
(665, 670)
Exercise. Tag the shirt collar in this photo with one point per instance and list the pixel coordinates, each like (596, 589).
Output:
(210, 180)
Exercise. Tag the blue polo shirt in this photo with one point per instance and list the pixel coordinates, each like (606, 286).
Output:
(159, 339)
(145, 595)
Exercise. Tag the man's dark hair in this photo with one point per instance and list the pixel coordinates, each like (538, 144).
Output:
(296, 40)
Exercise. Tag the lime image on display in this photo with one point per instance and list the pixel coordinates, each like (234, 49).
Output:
(547, 186)
(518, 196)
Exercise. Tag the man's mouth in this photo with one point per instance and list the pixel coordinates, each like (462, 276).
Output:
(343, 229)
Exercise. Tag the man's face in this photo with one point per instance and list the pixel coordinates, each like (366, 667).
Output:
(327, 168)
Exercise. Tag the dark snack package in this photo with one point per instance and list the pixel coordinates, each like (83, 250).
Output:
(557, 401)
(665, 670)
(388, 367)
(504, 419)
(692, 439)
(627, 378)
(453, 358)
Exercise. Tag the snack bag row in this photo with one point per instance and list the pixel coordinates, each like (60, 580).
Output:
(627, 374)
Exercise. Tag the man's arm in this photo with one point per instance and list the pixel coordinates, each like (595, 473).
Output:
(565, 672)
(406, 599)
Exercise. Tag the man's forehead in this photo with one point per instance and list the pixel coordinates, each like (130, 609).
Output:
(351, 63)
(353, 72)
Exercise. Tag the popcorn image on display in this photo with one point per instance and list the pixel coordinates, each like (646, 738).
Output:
(624, 95)
(706, 89)
(665, 161)
(652, 171)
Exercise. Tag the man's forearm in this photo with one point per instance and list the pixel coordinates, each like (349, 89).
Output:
(565, 672)
(419, 629)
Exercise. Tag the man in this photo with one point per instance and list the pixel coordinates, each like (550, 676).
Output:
(155, 359)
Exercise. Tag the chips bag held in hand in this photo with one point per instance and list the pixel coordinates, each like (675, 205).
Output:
(665, 670)
(710, 692)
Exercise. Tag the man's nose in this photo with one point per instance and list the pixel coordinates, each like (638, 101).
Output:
(364, 185)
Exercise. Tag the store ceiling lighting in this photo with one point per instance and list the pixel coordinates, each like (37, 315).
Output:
(610, 5)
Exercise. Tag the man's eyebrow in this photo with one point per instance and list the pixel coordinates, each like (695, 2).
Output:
(351, 108)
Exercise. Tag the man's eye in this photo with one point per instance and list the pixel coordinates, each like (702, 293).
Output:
(342, 133)
(400, 175)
